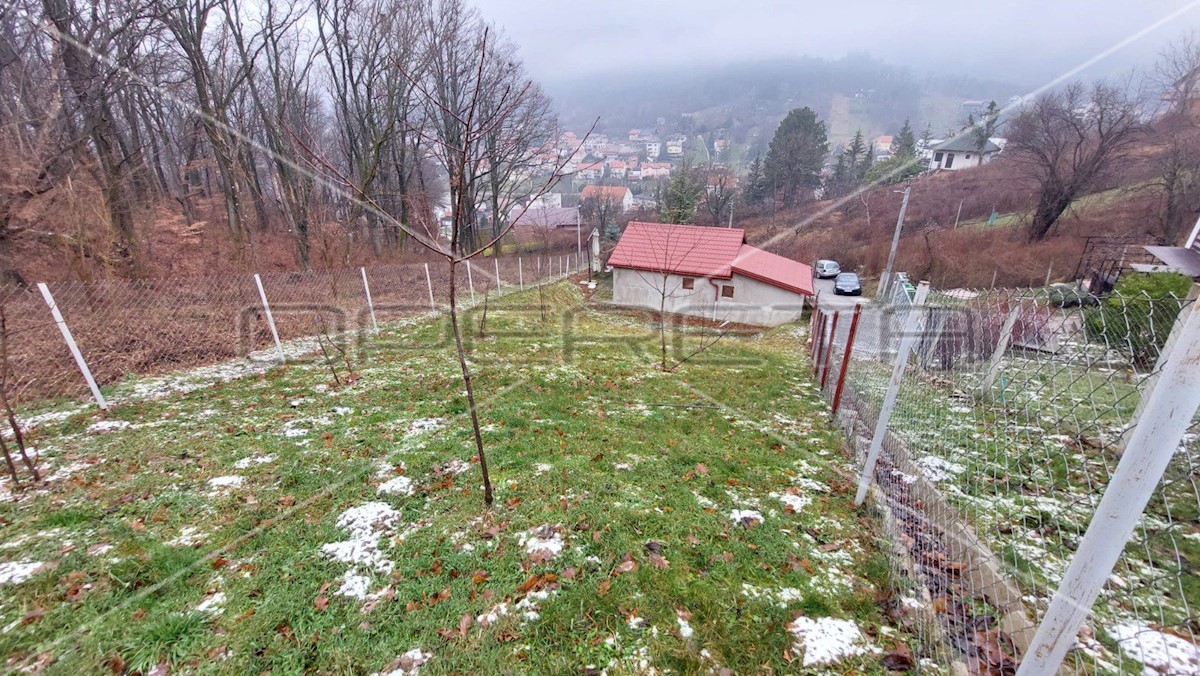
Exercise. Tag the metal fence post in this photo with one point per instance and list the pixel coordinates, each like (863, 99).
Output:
(496, 264)
(993, 368)
(1170, 407)
(66, 334)
(907, 338)
(370, 304)
(470, 281)
(841, 381)
(429, 283)
(520, 275)
(829, 349)
(818, 338)
(270, 319)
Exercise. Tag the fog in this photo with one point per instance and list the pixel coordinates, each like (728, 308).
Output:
(1024, 42)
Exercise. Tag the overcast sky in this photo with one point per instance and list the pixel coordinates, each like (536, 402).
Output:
(1018, 41)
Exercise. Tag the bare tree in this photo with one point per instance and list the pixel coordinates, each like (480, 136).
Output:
(1177, 73)
(719, 192)
(1068, 140)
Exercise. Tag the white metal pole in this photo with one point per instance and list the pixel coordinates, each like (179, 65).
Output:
(470, 281)
(270, 319)
(496, 264)
(66, 334)
(885, 284)
(429, 283)
(370, 304)
(520, 275)
(1170, 408)
(578, 233)
(907, 338)
(1006, 332)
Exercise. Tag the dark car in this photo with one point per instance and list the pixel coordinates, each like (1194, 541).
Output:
(847, 284)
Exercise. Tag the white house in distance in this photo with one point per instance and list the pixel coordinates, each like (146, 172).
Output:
(617, 194)
(707, 272)
(961, 153)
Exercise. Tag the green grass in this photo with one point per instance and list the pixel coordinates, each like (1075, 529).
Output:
(593, 442)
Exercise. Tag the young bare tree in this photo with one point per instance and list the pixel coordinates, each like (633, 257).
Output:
(718, 198)
(1177, 73)
(1067, 140)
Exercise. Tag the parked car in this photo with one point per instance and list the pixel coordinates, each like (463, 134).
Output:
(827, 269)
(847, 284)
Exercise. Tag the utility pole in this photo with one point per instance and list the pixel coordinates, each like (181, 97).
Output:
(886, 287)
(730, 213)
(578, 232)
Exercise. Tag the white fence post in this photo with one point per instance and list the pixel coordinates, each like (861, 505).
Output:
(496, 265)
(470, 281)
(270, 319)
(370, 304)
(66, 334)
(520, 275)
(907, 338)
(1006, 332)
(429, 283)
(1170, 407)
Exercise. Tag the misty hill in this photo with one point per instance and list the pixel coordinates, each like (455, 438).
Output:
(750, 97)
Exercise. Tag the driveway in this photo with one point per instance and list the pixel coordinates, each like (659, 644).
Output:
(868, 335)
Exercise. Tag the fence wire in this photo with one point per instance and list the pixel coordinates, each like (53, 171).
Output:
(147, 327)
(1007, 428)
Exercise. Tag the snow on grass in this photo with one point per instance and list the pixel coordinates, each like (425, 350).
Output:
(226, 482)
(826, 640)
(529, 605)
(939, 469)
(745, 517)
(366, 524)
(213, 605)
(189, 536)
(1159, 652)
(254, 460)
(780, 597)
(792, 501)
(354, 585)
(541, 468)
(704, 502)
(107, 426)
(685, 627)
(16, 572)
(544, 542)
(408, 663)
(454, 467)
(424, 425)
(400, 485)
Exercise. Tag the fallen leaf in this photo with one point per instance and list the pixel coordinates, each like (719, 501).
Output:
(321, 603)
(899, 658)
(658, 561)
(701, 469)
(569, 574)
(603, 587)
(138, 526)
(287, 500)
(479, 577)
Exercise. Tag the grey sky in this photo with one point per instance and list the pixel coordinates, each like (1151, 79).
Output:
(1018, 41)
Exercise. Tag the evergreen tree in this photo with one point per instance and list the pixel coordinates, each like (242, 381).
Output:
(906, 141)
(680, 199)
(755, 192)
(796, 156)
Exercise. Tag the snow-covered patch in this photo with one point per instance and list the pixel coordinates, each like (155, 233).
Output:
(636, 622)
(424, 425)
(354, 585)
(938, 469)
(826, 640)
(544, 542)
(1158, 651)
(745, 517)
(225, 482)
(366, 524)
(529, 605)
(542, 468)
(792, 501)
(63, 471)
(213, 605)
(35, 421)
(904, 478)
(624, 466)
(189, 536)
(704, 502)
(16, 572)
(400, 485)
(492, 616)
(107, 426)
(254, 460)
(408, 663)
(685, 627)
(781, 597)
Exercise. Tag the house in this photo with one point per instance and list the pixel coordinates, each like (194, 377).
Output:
(546, 217)
(652, 170)
(618, 194)
(883, 145)
(591, 171)
(675, 147)
(707, 272)
(617, 168)
(1182, 259)
(653, 149)
(961, 153)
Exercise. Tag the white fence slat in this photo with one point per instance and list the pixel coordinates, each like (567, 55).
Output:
(66, 334)
(262, 293)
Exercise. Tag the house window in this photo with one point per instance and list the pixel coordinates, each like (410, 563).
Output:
(950, 160)
(727, 292)
(937, 157)
(968, 156)
(689, 283)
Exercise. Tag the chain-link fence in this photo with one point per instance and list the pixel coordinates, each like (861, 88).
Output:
(146, 327)
(1005, 417)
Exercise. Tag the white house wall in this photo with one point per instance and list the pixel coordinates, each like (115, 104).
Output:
(754, 302)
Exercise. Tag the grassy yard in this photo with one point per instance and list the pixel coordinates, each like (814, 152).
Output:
(684, 521)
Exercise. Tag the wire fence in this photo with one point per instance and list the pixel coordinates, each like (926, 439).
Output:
(1004, 419)
(147, 327)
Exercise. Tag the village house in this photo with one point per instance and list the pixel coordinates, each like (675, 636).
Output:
(617, 169)
(961, 153)
(652, 170)
(591, 171)
(546, 217)
(653, 149)
(617, 194)
(675, 147)
(883, 145)
(707, 272)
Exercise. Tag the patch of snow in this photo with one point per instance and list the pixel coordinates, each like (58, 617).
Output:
(782, 596)
(254, 460)
(213, 605)
(16, 572)
(529, 605)
(636, 622)
(704, 502)
(545, 540)
(490, 617)
(107, 426)
(407, 664)
(745, 517)
(542, 468)
(622, 466)
(826, 640)
(1159, 652)
(685, 627)
(232, 481)
(455, 467)
(400, 485)
(354, 585)
(938, 469)
(189, 536)
(424, 425)
(366, 524)
(795, 502)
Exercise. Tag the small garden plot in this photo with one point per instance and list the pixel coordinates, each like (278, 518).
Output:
(689, 521)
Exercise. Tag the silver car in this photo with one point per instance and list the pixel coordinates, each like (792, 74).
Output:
(827, 269)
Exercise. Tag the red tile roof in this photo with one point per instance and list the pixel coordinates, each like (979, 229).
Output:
(705, 252)
(775, 270)
(612, 192)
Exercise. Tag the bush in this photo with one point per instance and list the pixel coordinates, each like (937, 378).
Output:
(1066, 295)
(1138, 316)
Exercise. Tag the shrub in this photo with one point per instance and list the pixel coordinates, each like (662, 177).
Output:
(1137, 317)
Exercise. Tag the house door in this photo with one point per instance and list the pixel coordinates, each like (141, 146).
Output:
(949, 160)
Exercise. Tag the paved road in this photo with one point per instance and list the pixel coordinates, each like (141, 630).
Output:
(868, 337)
(833, 302)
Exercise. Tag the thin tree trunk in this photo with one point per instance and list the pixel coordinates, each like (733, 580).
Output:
(466, 372)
